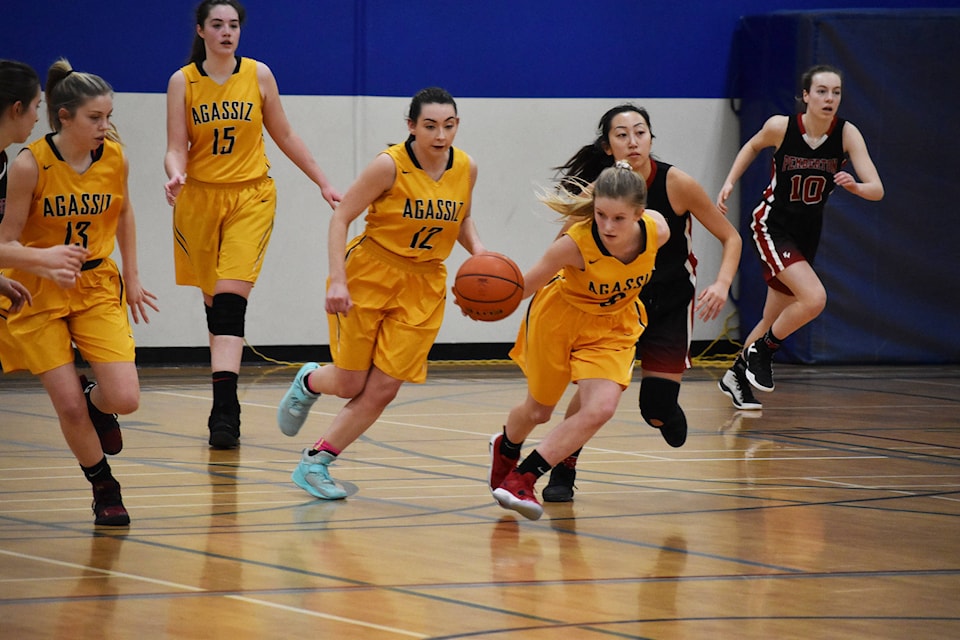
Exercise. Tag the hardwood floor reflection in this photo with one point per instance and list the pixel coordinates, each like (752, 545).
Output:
(831, 513)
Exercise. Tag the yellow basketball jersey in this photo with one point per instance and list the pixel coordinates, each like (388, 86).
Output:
(225, 125)
(606, 285)
(418, 217)
(72, 208)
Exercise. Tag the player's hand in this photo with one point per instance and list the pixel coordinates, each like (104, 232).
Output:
(338, 299)
(847, 181)
(62, 263)
(722, 197)
(456, 301)
(173, 186)
(16, 292)
(138, 299)
(711, 301)
(332, 196)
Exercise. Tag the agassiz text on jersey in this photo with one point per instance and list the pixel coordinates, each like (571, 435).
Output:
(72, 204)
(224, 110)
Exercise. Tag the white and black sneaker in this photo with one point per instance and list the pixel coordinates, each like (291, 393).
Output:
(759, 369)
(735, 385)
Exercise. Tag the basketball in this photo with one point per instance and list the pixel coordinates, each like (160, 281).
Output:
(488, 286)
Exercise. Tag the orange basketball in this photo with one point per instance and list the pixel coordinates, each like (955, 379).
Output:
(489, 286)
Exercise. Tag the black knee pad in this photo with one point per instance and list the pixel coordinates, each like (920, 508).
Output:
(227, 315)
(658, 400)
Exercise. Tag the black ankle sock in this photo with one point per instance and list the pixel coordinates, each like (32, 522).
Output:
(570, 462)
(535, 464)
(509, 449)
(772, 342)
(225, 389)
(98, 472)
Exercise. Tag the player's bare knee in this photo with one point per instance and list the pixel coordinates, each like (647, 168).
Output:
(338, 382)
(120, 400)
(380, 394)
(530, 412)
(813, 300)
(820, 302)
(538, 413)
(126, 404)
(73, 412)
(347, 392)
(606, 414)
(594, 416)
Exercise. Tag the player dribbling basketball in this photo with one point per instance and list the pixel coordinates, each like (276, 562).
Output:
(581, 326)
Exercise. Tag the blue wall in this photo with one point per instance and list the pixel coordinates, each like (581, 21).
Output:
(495, 48)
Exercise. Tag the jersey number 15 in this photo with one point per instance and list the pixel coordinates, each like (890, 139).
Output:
(223, 142)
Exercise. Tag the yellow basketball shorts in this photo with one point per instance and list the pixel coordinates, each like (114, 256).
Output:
(221, 232)
(397, 311)
(10, 356)
(559, 343)
(93, 316)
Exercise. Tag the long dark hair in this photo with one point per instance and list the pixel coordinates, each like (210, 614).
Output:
(586, 164)
(198, 53)
(18, 83)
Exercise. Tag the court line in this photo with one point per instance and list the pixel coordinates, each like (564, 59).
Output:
(199, 590)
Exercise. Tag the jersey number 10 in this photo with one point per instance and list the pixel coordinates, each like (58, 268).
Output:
(807, 189)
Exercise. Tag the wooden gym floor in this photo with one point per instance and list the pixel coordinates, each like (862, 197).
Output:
(833, 513)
